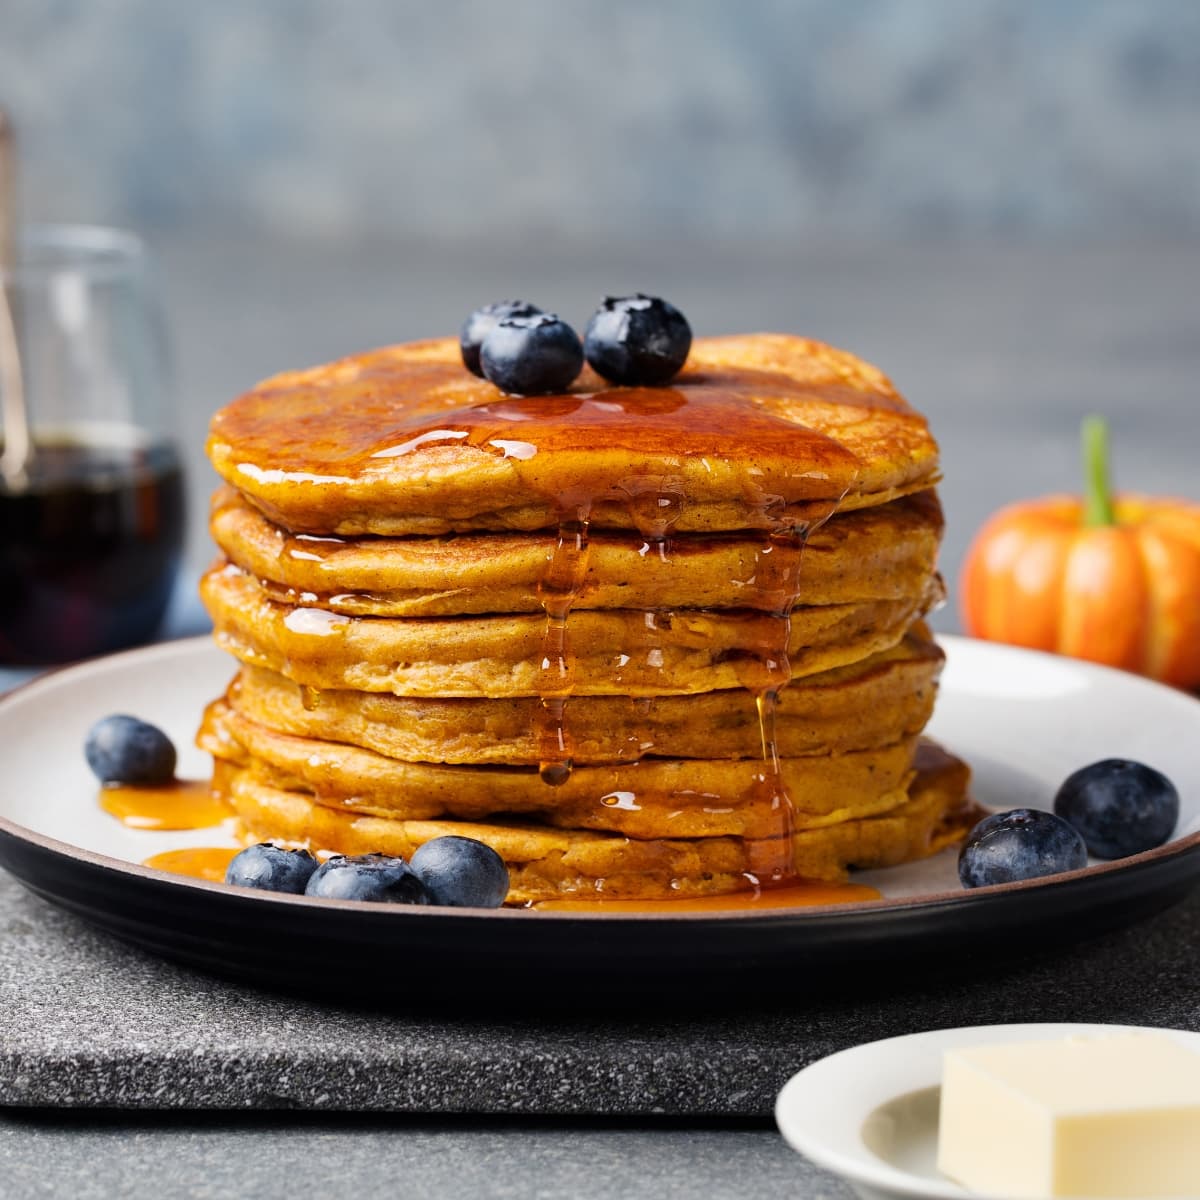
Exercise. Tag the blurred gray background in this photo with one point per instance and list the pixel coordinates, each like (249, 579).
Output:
(613, 118)
(996, 200)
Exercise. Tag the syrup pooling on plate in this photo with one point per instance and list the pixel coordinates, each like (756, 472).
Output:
(197, 862)
(181, 804)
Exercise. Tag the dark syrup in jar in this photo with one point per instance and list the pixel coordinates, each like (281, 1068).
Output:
(90, 542)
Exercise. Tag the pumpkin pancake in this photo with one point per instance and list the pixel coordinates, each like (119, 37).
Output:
(762, 431)
(613, 652)
(546, 863)
(883, 553)
(652, 798)
(868, 704)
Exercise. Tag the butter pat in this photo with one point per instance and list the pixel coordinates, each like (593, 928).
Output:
(1089, 1116)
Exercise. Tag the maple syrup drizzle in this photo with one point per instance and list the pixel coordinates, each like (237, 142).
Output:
(199, 862)
(770, 849)
(770, 859)
(654, 505)
(803, 894)
(558, 588)
(181, 804)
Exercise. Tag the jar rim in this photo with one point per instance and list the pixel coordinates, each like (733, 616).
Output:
(44, 252)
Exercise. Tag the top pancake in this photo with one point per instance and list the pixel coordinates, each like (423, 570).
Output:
(757, 432)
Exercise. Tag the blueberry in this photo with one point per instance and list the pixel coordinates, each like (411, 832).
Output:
(461, 873)
(637, 340)
(1120, 807)
(122, 749)
(367, 877)
(1022, 844)
(530, 356)
(271, 868)
(482, 321)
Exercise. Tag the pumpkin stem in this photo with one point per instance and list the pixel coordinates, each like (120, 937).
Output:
(1097, 495)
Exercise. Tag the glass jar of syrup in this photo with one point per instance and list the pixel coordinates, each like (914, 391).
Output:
(91, 491)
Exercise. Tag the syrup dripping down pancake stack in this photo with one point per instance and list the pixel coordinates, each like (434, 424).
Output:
(644, 642)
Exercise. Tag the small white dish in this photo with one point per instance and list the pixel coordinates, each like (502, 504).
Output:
(870, 1113)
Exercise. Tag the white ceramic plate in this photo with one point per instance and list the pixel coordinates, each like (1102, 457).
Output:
(870, 1114)
(1022, 720)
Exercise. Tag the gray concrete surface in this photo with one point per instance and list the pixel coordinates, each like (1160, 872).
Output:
(48, 1156)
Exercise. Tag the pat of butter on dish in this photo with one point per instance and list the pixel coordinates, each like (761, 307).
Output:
(1087, 1116)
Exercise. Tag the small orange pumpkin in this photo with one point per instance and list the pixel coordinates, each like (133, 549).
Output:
(1114, 582)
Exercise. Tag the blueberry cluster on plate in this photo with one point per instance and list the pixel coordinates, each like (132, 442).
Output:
(634, 341)
(453, 872)
(1111, 809)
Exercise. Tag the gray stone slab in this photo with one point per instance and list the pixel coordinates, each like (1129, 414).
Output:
(86, 1021)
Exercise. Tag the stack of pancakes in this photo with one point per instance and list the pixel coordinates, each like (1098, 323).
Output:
(646, 643)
